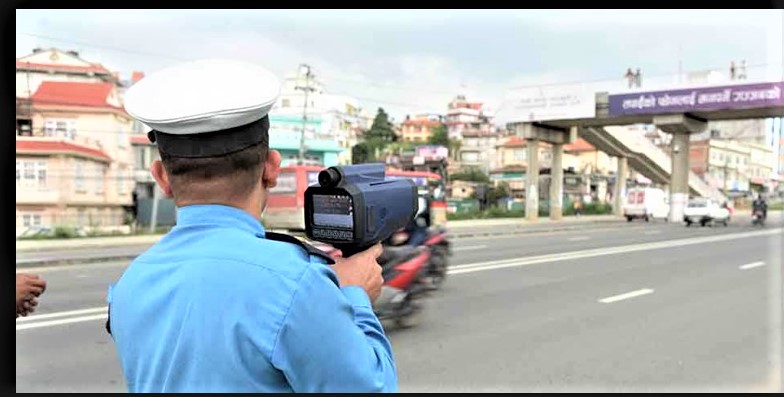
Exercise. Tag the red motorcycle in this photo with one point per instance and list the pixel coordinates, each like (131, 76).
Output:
(437, 242)
(404, 286)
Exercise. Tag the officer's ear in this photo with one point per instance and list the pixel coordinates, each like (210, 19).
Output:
(160, 176)
(269, 176)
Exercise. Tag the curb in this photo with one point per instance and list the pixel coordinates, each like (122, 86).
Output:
(33, 264)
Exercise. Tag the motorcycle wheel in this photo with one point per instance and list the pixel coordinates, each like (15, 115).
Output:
(438, 273)
(410, 319)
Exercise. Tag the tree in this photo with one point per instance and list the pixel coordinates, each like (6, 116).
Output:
(471, 174)
(498, 192)
(360, 153)
(440, 136)
(381, 131)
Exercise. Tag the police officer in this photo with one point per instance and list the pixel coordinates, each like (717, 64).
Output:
(219, 304)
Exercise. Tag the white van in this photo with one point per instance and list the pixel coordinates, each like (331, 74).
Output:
(646, 203)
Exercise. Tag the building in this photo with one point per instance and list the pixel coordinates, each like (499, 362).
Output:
(747, 131)
(420, 128)
(332, 120)
(73, 151)
(587, 171)
(463, 115)
(479, 149)
(511, 166)
(736, 168)
(144, 153)
(57, 65)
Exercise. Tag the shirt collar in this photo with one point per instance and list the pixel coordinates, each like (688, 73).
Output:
(218, 214)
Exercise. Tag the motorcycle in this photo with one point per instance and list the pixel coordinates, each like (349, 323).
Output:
(404, 286)
(758, 218)
(437, 242)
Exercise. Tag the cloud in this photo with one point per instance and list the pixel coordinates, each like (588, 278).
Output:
(415, 61)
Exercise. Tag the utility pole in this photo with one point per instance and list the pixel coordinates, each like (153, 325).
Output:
(726, 166)
(306, 89)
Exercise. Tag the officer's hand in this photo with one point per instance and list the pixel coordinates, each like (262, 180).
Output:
(361, 269)
(27, 285)
(28, 306)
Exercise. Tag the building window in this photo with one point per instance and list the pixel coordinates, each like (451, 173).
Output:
(140, 157)
(121, 180)
(30, 220)
(79, 176)
(519, 155)
(100, 174)
(60, 128)
(31, 173)
(122, 138)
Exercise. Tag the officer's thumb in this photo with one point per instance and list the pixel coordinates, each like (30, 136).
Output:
(375, 251)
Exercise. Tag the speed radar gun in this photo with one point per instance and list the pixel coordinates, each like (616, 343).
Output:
(354, 207)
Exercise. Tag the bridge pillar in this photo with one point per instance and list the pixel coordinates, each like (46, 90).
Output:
(556, 182)
(619, 194)
(534, 133)
(680, 126)
(532, 180)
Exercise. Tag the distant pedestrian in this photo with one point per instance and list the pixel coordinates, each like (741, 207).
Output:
(638, 78)
(28, 288)
(732, 71)
(578, 207)
(742, 71)
(629, 77)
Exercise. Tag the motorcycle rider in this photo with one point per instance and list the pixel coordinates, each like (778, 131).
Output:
(760, 205)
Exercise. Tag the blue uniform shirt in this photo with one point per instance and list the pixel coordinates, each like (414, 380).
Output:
(216, 307)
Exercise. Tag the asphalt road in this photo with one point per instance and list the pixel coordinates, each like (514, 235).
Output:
(629, 307)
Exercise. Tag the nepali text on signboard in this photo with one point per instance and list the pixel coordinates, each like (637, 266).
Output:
(704, 98)
(556, 102)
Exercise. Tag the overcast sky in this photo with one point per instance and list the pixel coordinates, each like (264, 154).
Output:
(414, 61)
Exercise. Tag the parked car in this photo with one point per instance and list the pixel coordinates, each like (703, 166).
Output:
(705, 211)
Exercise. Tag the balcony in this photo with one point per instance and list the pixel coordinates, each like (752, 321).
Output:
(36, 195)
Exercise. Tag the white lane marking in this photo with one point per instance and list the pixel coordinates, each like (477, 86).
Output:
(751, 265)
(469, 248)
(628, 295)
(37, 317)
(50, 323)
(649, 232)
(504, 263)
(579, 238)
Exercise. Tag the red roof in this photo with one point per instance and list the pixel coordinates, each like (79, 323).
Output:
(580, 145)
(514, 141)
(136, 76)
(422, 122)
(95, 67)
(73, 93)
(59, 147)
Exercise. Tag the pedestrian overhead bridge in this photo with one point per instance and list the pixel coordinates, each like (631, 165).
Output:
(678, 112)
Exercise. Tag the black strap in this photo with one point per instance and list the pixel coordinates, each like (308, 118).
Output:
(108, 318)
(311, 250)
